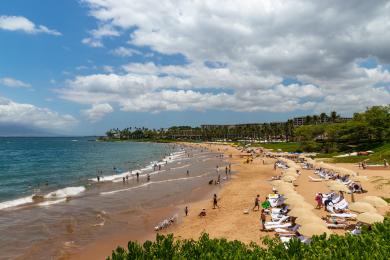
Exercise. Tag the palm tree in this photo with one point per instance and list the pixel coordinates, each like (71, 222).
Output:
(333, 116)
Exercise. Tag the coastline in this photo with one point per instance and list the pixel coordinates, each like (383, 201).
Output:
(236, 195)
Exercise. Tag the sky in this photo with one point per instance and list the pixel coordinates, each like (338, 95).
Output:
(81, 67)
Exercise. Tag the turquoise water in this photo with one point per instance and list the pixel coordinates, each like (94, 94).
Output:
(48, 164)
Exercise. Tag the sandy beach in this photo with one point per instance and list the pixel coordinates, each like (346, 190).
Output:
(239, 194)
(236, 195)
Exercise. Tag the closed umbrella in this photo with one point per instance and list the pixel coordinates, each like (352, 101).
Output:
(375, 201)
(370, 218)
(362, 207)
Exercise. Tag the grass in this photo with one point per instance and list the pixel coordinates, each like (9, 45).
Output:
(285, 147)
(381, 152)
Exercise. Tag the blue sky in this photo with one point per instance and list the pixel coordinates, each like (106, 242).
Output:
(82, 67)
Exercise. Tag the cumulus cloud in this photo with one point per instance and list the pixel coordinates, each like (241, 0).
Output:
(13, 83)
(241, 52)
(14, 113)
(96, 35)
(97, 112)
(20, 23)
(125, 52)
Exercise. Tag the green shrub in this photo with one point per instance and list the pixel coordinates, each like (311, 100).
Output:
(371, 244)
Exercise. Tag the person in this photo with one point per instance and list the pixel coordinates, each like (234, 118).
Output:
(257, 204)
(262, 219)
(98, 178)
(215, 201)
(137, 176)
(226, 171)
(127, 178)
(217, 169)
(124, 179)
(186, 210)
(328, 202)
(202, 213)
(266, 204)
(275, 166)
(318, 199)
(159, 167)
(148, 177)
(188, 172)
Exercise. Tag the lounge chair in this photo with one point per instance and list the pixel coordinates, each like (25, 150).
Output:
(315, 179)
(344, 215)
(281, 220)
(337, 226)
(274, 226)
(341, 205)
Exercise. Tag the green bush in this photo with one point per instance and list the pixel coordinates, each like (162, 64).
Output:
(371, 244)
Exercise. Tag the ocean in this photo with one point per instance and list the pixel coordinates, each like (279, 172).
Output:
(52, 205)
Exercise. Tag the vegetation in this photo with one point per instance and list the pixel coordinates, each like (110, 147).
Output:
(371, 244)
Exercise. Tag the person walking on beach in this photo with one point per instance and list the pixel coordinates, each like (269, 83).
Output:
(124, 179)
(137, 176)
(257, 203)
(98, 178)
(159, 167)
(262, 220)
(215, 201)
(186, 210)
(148, 177)
(318, 199)
(188, 172)
(226, 171)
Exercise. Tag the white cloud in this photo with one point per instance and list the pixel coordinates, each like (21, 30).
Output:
(29, 115)
(95, 43)
(95, 40)
(97, 112)
(20, 23)
(258, 43)
(13, 83)
(125, 52)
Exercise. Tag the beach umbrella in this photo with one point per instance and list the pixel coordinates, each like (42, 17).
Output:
(359, 178)
(370, 218)
(308, 218)
(375, 201)
(276, 183)
(312, 229)
(362, 207)
(339, 187)
(289, 178)
(298, 211)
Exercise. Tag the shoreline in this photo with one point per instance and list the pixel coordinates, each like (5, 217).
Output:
(236, 195)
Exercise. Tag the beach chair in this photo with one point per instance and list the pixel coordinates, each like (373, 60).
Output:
(315, 179)
(341, 205)
(336, 226)
(278, 222)
(344, 215)
(274, 226)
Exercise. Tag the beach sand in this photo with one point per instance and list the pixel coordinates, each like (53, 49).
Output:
(237, 195)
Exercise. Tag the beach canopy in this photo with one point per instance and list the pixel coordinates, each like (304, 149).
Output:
(375, 201)
(308, 218)
(339, 187)
(289, 178)
(362, 207)
(359, 178)
(299, 211)
(312, 229)
(370, 218)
